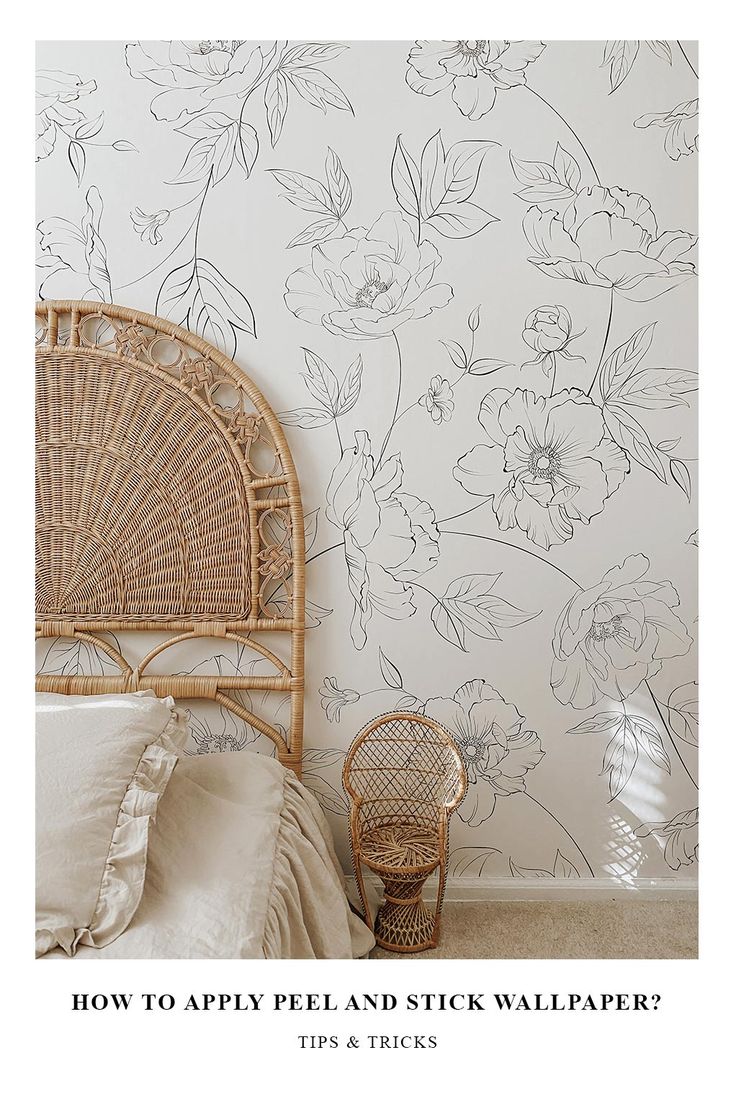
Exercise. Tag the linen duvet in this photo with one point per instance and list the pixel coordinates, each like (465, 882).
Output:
(241, 864)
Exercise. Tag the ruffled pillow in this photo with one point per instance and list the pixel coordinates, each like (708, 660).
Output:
(102, 763)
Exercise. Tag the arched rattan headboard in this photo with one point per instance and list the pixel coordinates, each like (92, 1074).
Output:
(167, 501)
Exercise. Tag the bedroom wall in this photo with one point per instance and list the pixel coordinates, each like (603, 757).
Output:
(463, 273)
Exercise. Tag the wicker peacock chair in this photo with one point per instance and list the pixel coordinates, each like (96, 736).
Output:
(405, 777)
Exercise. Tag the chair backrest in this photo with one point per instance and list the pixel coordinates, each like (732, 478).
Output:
(404, 766)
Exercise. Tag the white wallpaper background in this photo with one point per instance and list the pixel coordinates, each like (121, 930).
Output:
(463, 274)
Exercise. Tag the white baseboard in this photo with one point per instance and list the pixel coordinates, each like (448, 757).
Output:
(563, 889)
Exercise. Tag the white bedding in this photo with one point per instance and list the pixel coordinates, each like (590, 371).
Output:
(241, 864)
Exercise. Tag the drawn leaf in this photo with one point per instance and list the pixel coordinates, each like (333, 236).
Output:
(448, 626)
(564, 868)
(485, 366)
(338, 184)
(531, 173)
(620, 55)
(173, 299)
(657, 388)
(693, 539)
(312, 53)
(208, 124)
(545, 192)
(222, 309)
(431, 175)
(123, 146)
(350, 387)
(633, 439)
(213, 152)
(682, 709)
(566, 168)
(88, 128)
(649, 740)
(620, 365)
(661, 49)
(305, 418)
(462, 169)
(471, 860)
(77, 159)
(246, 150)
(390, 672)
(528, 871)
(681, 475)
(316, 232)
(304, 191)
(457, 354)
(321, 381)
(460, 220)
(311, 524)
(405, 180)
(602, 722)
(314, 615)
(276, 100)
(317, 88)
(619, 759)
(469, 603)
(331, 799)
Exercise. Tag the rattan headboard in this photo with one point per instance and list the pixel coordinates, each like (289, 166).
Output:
(167, 501)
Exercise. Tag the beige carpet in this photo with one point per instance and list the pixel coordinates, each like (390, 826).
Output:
(570, 929)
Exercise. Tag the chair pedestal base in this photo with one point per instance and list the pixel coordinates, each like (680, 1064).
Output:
(404, 923)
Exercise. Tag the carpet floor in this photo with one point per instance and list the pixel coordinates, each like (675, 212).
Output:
(569, 929)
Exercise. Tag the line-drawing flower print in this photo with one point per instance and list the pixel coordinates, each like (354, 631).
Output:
(76, 255)
(548, 331)
(439, 400)
(681, 126)
(334, 699)
(148, 227)
(475, 69)
(496, 749)
(390, 537)
(550, 462)
(57, 95)
(192, 75)
(608, 237)
(367, 283)
(679, 836)
(610, 638)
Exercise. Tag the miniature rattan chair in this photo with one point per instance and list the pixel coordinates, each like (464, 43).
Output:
(405, 777)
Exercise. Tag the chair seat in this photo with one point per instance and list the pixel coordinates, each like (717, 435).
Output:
(394, 847)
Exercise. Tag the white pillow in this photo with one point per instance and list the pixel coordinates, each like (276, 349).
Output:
(102, 764)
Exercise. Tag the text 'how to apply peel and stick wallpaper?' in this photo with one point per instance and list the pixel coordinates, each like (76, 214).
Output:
(463, 274)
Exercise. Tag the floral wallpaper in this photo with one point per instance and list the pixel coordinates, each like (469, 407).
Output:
(463, 272)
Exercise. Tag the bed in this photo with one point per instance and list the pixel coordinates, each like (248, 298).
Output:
(168, 507)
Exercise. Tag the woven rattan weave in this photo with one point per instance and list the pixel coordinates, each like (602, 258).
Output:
(405, 777)
(167, 501)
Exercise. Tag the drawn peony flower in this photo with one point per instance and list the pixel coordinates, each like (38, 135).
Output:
(148, 227)
(612, 637)
(609, 238)
(390, 537)
(496, 752)
(679, 836)
(75, 255)
(193, 74)
(550, 462)
(369, 282)
(334, 699)
(56, 92)
(548, 331)
(439, 400)
(475, 69)
(681, 125)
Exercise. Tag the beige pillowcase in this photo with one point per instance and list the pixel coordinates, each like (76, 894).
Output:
(102, 764)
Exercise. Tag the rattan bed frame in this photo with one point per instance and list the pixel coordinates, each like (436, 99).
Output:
(167, 501)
